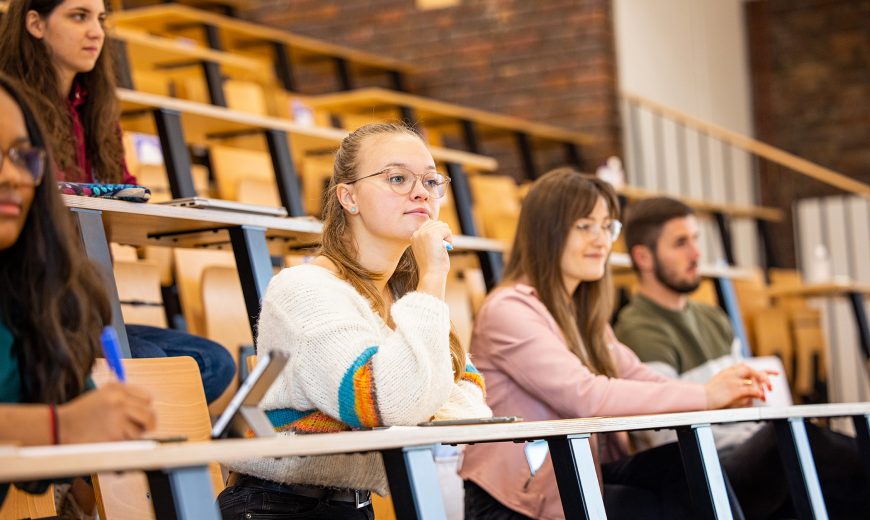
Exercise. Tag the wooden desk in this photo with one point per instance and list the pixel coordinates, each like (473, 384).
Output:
(285, 49)
(473, 125)
(410, 468)
(147, 52)
(253, 238)
(854, 291)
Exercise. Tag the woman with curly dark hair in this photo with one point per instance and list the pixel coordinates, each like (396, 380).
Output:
(57, 47)
(52, 307)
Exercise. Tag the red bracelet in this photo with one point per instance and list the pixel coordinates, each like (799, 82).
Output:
(55, 430)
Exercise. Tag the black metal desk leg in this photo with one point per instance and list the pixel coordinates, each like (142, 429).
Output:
(285, 172)
(342, 74)
(800, 469)
(462, 199)
(576, 477)
(283, 66)
(725, 236)
(862, 428)
(215, 83)
(122, 65)
(413, 481)
(175, 154)
(469, 133)
(573, 155)
(93, 236)
(183, 494)
(527, 156)
(860, 312)
(703, 472)
(492, 266)
(254, 266)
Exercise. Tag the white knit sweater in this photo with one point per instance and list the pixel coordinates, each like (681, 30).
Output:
(332, 334)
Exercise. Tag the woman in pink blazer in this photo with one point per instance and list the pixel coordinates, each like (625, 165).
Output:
(544, 345)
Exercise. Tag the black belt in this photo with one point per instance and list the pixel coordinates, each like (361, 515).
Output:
(359, 498)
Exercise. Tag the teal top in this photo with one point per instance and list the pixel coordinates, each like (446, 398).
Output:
(10, 380)
(10, 377)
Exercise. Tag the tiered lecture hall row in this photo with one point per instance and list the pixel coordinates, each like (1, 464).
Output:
(213, 106)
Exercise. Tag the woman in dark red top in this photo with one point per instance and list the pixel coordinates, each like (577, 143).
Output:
(56, 48)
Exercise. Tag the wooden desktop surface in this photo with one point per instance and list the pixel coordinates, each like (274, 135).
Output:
(60, 461)
(620, 262)
(706, 206)
(833, 288)
(159, 224)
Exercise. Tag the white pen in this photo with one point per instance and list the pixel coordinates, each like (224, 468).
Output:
(447, 245)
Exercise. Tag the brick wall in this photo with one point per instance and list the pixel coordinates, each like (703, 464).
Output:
(811, 93)
(547, 61)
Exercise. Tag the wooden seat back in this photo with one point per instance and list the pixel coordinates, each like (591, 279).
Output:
(179, 402)
(19, 504)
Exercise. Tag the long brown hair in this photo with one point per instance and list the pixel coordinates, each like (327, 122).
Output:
(29, 60)
(338, 246)
(552, 206)
(53, 298)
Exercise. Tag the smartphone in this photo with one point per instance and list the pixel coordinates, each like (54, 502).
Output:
(252, 390)
(477, 420)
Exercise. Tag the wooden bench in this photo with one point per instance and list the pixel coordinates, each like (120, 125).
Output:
(286, 51)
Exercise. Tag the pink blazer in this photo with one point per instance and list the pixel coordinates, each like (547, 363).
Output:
(530, 372)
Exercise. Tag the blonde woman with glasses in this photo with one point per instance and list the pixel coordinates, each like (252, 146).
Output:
(543, 342)
(366, 329)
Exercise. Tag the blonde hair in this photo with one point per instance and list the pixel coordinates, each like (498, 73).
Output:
(338, 246)
(554, 203)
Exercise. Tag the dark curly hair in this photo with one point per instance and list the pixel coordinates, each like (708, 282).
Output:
(53, 299)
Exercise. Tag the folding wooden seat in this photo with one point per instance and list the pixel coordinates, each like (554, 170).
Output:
(179, 402)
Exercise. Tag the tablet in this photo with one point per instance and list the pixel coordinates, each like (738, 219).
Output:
(242, 414)
(476, 420)
(226, 205)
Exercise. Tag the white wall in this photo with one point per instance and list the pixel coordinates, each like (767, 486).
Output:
(689, 55)
(841, 225)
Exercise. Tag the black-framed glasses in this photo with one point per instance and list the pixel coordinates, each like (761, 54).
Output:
(31, 160)
(403, 180)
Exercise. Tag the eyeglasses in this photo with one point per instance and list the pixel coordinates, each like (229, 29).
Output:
(403, 180)
(31, 160)
(610, 228)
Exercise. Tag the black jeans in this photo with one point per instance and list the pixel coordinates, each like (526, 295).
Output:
(650, 485)
(269, 500)
(755, 469)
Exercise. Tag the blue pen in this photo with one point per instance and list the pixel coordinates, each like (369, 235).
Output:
(447, 245)
(112, 352)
